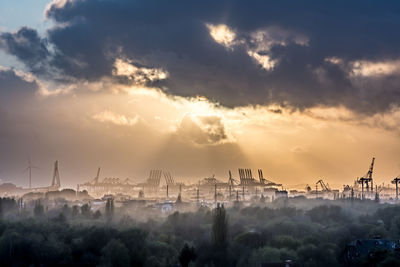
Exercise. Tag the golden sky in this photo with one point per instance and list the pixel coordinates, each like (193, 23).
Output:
(129, 130)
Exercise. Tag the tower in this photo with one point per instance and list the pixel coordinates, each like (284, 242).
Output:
(56, 176)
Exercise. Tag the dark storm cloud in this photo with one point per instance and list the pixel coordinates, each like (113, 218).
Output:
(172, 35)
(27, 46)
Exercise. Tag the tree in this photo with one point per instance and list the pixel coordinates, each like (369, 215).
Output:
(60, 218)
(96, 215)
(115, 254)
(376, 196)
(220, 227)
(38, 211)
(109, 211)
(66, 211)
(141, 194)
(187, 255)
(85, 210)
(75, 211)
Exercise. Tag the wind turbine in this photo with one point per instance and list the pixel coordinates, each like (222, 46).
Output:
(29, 168)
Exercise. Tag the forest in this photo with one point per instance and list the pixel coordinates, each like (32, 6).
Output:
(298, 231)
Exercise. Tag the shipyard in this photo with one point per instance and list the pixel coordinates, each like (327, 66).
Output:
(161, 187)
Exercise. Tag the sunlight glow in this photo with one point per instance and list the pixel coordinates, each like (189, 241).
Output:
(222, 34)
(140, 75)
(264, 60)
(379, 68)
(108, 116)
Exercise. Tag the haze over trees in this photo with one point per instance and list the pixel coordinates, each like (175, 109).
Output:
(307, 232)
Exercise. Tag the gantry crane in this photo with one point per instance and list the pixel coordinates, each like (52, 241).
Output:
(396, 182)
(366, 179)
(231, 181)
(325, 187)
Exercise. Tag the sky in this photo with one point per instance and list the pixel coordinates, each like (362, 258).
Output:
(304, 90)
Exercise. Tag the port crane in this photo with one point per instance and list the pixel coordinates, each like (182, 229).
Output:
(367, 179)
(325, 187)
(396, 182)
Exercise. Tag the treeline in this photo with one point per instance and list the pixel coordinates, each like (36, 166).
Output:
(73, 235)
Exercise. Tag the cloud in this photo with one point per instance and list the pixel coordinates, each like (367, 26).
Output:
(376, 69)
(203, 130)
(27, 46)
(137, 75)
(117, 119)
(299, 149)
(222, 34)
(280, 56)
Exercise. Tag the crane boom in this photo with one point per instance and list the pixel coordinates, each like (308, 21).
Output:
(323, 185)
(371, 170)
(96, 179)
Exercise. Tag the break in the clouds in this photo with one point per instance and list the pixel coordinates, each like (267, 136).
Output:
(298, 54)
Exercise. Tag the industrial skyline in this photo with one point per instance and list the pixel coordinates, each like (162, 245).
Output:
(160, 183)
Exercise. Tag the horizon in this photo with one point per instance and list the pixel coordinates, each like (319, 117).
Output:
(190, 180)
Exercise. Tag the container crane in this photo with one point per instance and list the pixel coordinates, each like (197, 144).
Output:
(325, 187)
(366, 179)
(396, 182)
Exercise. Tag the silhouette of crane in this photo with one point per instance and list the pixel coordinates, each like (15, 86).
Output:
(396, 182)
(231, 181)
(325, 187)
(366, 179)
(96, 179)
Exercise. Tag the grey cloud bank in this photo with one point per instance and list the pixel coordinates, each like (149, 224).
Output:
(301, 39)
